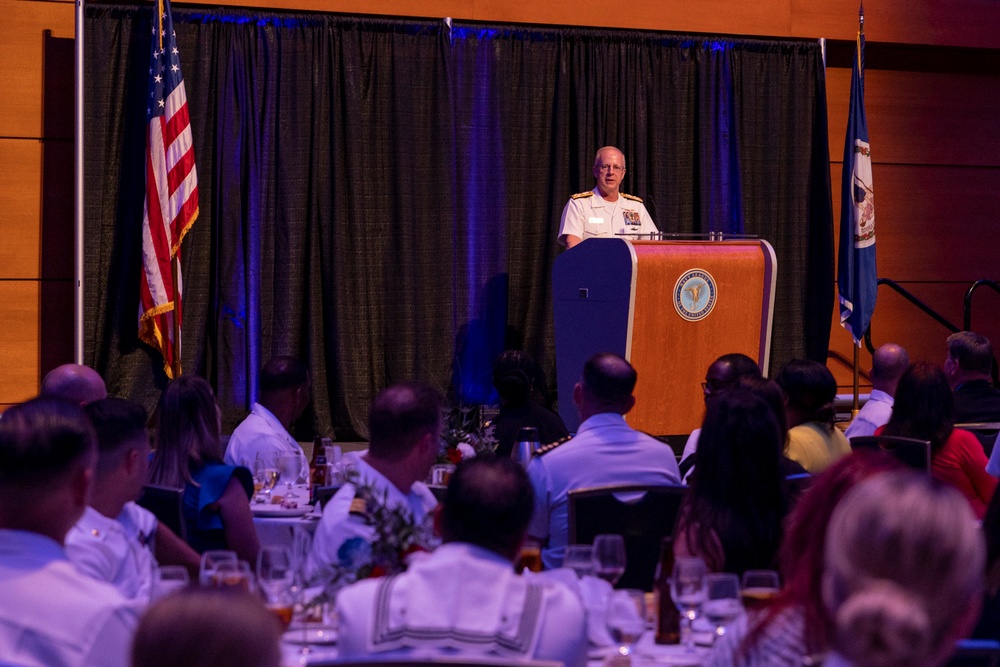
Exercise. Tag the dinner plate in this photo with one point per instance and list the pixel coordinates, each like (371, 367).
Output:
(279, 511)
(318, 635)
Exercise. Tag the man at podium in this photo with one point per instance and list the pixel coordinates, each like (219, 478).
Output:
(604, 211)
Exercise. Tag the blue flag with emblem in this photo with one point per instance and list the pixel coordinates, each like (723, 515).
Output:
(857, 280)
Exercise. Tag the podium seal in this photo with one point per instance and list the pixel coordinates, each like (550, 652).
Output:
(694, 295)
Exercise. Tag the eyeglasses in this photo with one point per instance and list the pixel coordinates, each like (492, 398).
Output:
(609, 167)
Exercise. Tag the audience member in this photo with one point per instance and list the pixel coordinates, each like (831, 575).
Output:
(903, 573)
(512, 376)
(465, 598)
(116, 540)
(969, 365)
(924, 410)
(284, 395)
(52, 615)
(774, 397)
(75, 383)
(404, 423)
(889, 363)
(605, 450)
(723, 374)
(217, 496)
(810, 391)
(989, 620)
(795, 629)
(208, 627)
(732, 516)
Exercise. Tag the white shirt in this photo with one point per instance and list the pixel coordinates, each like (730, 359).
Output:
(338, 524)
(462, 600)
(874, 413)
(605, 450)
(51, 615)
(117, 551)
(588, 216)
(261, 434)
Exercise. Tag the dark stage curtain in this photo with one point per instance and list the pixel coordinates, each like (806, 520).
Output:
(381, 197)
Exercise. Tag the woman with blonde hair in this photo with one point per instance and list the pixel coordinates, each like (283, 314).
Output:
(216, 505)
(903, 575)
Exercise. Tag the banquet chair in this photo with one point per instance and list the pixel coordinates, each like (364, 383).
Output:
(975, 653)
(985, 432)
(167, 505)
(643, 515)
(912, 452)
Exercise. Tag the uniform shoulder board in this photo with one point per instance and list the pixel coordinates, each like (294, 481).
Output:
(581, 195)
(545, 449)
(632, 197)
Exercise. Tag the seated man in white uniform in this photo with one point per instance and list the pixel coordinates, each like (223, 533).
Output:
(116, 540)
(889, 363)
(404, 425)
(51, 615)
(605, 450)
(465, 599)
(284, 395)
(605, 212)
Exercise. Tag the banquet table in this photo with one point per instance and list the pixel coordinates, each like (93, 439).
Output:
(276, 526)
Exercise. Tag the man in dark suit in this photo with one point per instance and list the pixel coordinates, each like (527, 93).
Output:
(968, 367)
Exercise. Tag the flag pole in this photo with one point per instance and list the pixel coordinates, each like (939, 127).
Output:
(856, 407)
(175, 267)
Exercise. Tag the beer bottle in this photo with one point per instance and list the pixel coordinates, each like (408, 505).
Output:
(668, 617)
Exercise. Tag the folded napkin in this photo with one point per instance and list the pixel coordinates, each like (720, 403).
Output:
(593, 594)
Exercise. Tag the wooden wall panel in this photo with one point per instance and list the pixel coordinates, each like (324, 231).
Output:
(22, 47)
(921, 117)
(20, 206)
(19, 346)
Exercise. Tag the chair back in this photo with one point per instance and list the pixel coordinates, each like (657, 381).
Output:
(985, 432)
(910, 451)
(643, 515)
(976, 653)
(167, 505)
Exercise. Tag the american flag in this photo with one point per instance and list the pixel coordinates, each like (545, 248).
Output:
(171, 204)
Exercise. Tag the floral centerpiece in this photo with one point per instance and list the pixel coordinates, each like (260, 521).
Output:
(463, 437)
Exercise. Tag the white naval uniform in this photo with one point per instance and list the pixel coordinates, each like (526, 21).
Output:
(605, 450)
(54, 616)
(339, 524)
(876, 412)
(117, 551)
(588, 215)
(262, 434)
(462, 600)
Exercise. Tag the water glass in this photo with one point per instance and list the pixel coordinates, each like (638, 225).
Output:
(609, 557)
(687, 588)
(722, 603)
(167, 579)
(580, 559)
(625, 616)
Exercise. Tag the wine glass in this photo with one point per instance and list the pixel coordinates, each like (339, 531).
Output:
(580, 559)
(210, 560)
(722, 603)
(167, 579)
(275, 576)
(759, 588)
(687, 588)
(625, 616)
(609, 557)
(290, 466)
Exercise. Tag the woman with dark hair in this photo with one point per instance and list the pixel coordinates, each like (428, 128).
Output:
(512, 376)
(810, 391)
(925, 409)
(216, 504)
(796, 624)
(733, 513)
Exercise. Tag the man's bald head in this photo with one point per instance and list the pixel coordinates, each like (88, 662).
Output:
(75, 383)
(889, 363)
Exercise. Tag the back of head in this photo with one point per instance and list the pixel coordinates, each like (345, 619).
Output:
(488, 503)
(512, 373)
(741, 365)
(924, 407)
(889, 363)
(903, 563)
(972, 351)
(282, 373)
(40, 441)
(118, 424)
(74, 383)
(400, 416)
(810, 388)
(207, 627)
(608, 381)
(770, 393)
(188, 431)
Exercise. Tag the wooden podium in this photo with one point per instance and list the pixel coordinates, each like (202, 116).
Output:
(671, 308)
